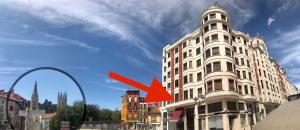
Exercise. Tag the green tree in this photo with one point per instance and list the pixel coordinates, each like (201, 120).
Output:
(116, 117)
(92, 113)
(72, 114)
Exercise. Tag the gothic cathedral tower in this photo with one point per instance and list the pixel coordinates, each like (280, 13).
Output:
(61, 100)
(34, 103)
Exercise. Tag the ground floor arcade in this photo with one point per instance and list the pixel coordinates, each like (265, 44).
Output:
(224, 114)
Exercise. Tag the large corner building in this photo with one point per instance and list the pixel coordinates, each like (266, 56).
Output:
(221, 79)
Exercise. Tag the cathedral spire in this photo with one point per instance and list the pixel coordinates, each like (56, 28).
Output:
(34, 103)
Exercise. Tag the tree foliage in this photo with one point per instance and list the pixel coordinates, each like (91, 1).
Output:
(74, 113)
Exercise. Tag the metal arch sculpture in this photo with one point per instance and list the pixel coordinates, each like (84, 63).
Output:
(44, 68)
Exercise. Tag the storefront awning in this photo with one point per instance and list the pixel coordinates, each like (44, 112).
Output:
(176, 115)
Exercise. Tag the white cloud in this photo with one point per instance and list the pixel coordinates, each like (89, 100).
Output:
(287, 46)
(135, 61)
(270, 21)
(13, 70)
(71, 42)
(287, 5)
(51, 40)
(287, 38)
(128, 20)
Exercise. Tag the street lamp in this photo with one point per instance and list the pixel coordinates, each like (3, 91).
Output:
(201, 97)
(198, 101)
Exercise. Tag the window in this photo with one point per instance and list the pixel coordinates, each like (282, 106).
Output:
(234, 49)
(176, 50)
(243, 120)
(169, 85)
(191, 79)
(231, 106)
(238, 74)
(226, 39)
(262, 84)
(229, 67)
(169, 64)
(190, 64)
(246, 89)
(206, 18)
(197, 40)
(185, 94)
(176, 83)
(207, 53)
(244, 75)
(199, 91)
(213, 26)
(218, 84)
(185, 79)
(227, 51)
(217, 66)
(212, 16)
(236, 61)
(231, 84)
(191, 93)
(241, 106)
(169, 74)
(176, 97)
(224, 27)
(248, 63)
(176, 60)
(184, 45)
(198, 62)
(215, 107)
(209, 86)
(206, 40)
(206, 29)
(215, 51)
(199, 76)
(251, 90)
(242, 61)
(246, 52)
(165, 78)
(250, 76)
(215, 123)
(214, 37)
(240, 89)
(190, 53)
(241, 50)
(208, 68)
(169, 55)
(198, 51)
(185, 66)
(165, 68)
(184, 55)
(223, 17)
(176, 71)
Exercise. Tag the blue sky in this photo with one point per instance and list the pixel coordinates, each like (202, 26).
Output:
(89, 38)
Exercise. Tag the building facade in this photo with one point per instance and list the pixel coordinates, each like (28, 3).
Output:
(220, 78)
(15, 103)
(130, 109)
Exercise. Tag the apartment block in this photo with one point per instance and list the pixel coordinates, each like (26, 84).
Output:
(221, 78)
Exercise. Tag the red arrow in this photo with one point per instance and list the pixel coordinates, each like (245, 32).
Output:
(156, 92)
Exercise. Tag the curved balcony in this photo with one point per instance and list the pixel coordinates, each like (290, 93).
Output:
(221, 94)
(249, 98)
